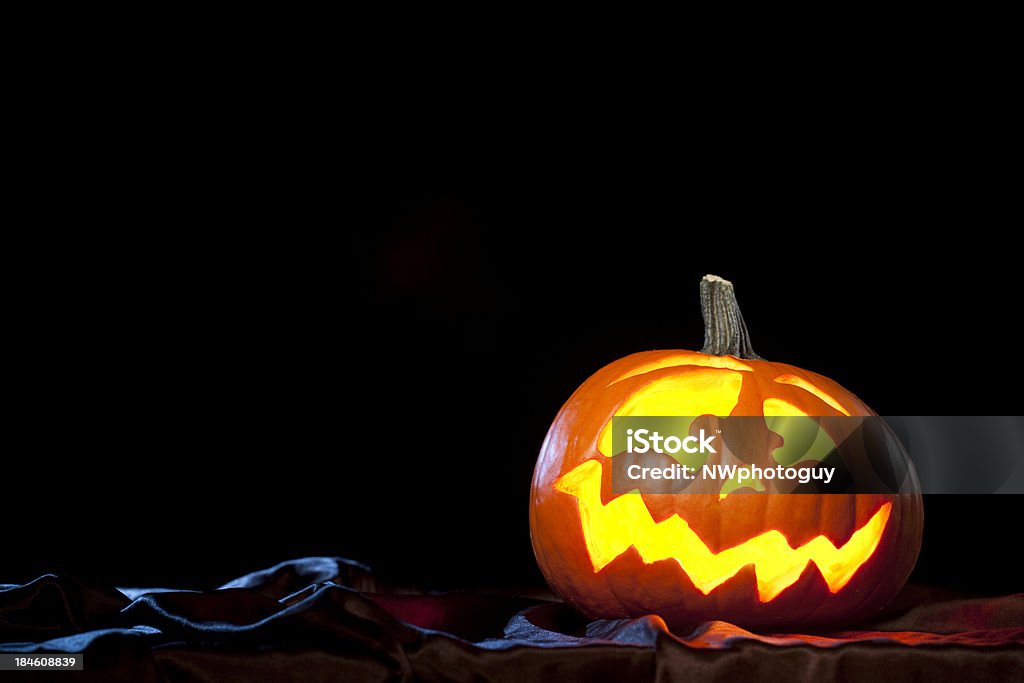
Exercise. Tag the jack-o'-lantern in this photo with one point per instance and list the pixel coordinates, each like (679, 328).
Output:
(753, 558)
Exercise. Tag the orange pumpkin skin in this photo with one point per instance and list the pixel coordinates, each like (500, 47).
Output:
(628, 586)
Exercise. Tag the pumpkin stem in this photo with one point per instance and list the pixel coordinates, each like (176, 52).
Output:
(725, 333)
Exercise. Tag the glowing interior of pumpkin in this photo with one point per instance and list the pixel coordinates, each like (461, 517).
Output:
(701, 391)
(710, 388)
(817, 391)
(609, 530)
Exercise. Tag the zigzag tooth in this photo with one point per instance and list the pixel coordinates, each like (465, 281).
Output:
(609, 530)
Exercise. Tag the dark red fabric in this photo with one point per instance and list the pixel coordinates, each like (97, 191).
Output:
(330, 619)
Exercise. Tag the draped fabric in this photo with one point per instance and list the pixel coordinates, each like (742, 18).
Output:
(331, 619)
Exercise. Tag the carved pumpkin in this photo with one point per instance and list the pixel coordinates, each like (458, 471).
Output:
(755, 559)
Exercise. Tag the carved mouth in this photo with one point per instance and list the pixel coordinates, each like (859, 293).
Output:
(610, 530)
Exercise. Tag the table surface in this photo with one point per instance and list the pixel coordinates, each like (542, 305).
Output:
(332, 619)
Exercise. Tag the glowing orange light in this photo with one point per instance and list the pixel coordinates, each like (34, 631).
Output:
(800, 382)
(702, 391)
(609, 530)
(686, 358)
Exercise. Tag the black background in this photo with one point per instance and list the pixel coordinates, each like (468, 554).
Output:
(267, 360)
